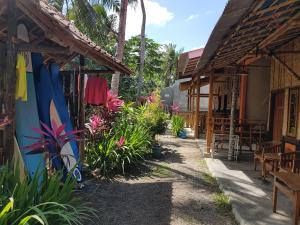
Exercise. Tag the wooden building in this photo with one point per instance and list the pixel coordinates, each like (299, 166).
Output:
(194, 116)
(252, 63)
(51, 34)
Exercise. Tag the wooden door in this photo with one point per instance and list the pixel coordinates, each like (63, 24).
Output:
(278, 116)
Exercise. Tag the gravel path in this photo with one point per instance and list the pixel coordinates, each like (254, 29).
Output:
(177, 191)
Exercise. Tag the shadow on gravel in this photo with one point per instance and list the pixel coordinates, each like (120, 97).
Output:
(132, 204)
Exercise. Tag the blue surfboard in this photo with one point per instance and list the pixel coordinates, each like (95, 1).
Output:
(61, 106)
(44, 94)
(27, 116)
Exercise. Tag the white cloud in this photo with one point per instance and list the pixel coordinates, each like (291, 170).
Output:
(156, 14)
(209, 12)
(192, 17)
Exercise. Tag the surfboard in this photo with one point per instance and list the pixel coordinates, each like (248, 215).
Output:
(27, 115)
(61, 106)
(18, 160)
(67, 153)
(44, 93)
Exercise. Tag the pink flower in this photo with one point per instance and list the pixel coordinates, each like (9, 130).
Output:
(113, 102)
(5, 121)
(121, 142)
(95, 124)
(95, 121)
(151, 98)
(175, 107)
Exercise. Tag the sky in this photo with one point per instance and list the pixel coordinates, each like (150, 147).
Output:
(186, 23)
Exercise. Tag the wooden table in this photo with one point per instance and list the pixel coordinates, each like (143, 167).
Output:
(272, 158)
(289, 185)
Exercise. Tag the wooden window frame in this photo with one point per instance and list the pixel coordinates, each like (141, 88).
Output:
(294, 133)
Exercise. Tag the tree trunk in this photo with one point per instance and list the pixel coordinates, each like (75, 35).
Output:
(232, 116)
(10, 77)
(142, 51)
(120, 48)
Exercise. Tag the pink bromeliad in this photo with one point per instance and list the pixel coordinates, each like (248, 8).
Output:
(151, 98)
(113, 102)
(121, 142)
(95, 124)
(175, 108)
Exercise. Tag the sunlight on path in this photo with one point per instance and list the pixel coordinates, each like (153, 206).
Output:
(177, 191)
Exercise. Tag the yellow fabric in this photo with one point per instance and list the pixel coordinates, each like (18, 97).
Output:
(21, 85)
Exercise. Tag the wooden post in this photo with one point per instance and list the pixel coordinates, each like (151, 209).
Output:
(232, 116)
(188, 107)
(243, 96)
(210, 113)
(188, 100)
(197, 113)
(10, 76)
(81, 106)
(193, 107)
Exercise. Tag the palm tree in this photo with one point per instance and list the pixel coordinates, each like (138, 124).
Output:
(88, 18)
(91, 17)
(170, 64)
(115, 80)
(142, 51)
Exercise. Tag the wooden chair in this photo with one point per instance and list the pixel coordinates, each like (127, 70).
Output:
(262, 149)
(290, 162)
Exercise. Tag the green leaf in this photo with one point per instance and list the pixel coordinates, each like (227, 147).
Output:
(25, 220)
(9, 206)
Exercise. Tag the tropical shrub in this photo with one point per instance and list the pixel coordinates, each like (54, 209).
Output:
(51, 142)
(126, 140)
(123, 147)
(154, 116)
(177, 124)
(39, 201)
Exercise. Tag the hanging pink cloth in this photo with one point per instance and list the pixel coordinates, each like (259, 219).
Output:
(96, 91)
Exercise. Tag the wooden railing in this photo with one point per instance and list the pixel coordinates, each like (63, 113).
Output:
(249, 131)
(189, 118)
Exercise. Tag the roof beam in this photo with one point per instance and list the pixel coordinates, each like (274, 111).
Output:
(98, 72)
(42, 48)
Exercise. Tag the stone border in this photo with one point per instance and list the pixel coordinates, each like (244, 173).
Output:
(235, 212)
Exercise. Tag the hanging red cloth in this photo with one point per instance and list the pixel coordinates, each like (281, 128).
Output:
(96, 91)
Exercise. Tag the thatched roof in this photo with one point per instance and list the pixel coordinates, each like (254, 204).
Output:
(187, 63)
(246, 27)
(49, 28)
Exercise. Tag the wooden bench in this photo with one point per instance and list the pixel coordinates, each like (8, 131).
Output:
(267, 154)
(289, 184)
(290, 162)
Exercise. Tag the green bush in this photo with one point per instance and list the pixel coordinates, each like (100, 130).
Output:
(154, 116)
(124, 146)
(177, 124)
(129, 139)
(40, 201)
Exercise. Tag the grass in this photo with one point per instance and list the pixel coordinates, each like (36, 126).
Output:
(224, 206)
(222, 202)
(161, 171)
(209, 179)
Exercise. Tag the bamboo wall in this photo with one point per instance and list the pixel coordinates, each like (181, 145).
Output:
(281, 78)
